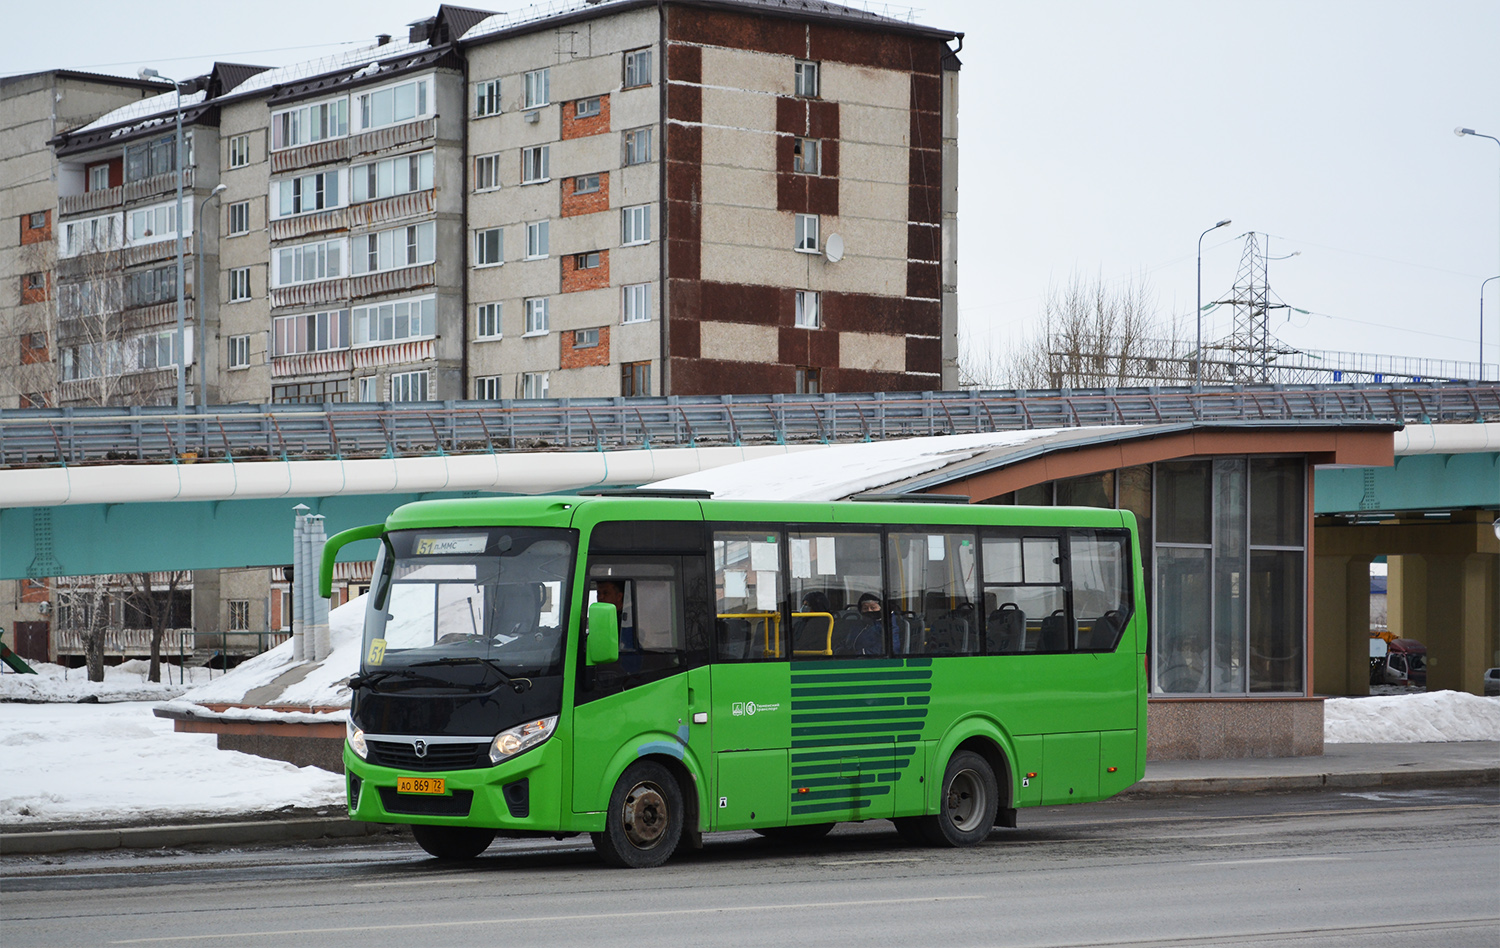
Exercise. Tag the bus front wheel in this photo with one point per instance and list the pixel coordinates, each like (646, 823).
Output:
(453, 842)
(971, 797)
(644, 823)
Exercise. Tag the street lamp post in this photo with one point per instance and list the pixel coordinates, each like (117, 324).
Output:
(198, 292)
(181, 345)
(1461, 132)
(1198, 361)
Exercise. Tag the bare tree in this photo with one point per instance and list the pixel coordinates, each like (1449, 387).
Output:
(85, 607)
(156, 609)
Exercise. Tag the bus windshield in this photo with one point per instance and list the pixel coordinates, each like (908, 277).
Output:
(480, 596)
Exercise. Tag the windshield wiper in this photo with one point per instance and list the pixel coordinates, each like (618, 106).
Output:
(380, 674)
(515, 683)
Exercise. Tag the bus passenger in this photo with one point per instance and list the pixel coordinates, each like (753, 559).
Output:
(868, 638)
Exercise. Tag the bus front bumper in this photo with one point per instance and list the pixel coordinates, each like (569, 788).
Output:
(522, 794)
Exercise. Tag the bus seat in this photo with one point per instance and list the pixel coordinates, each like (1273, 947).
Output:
(909, 626)
(948, 636)
(1104, 633)
(1005, 630)
(845, 626)
(1054, 633)
(734, 639)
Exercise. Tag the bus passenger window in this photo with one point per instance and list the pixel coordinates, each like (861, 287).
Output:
(1024, 599)
(933, 590)
(747, 582)
(837, 585)
(1101, 590)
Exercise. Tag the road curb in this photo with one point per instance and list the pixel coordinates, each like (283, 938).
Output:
(157, 837)
(1389, 779)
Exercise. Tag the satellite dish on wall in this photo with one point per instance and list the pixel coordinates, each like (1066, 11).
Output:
(834, 248)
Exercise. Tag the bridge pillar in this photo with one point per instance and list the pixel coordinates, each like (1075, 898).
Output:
(1341, 624)
(1461, 623)
(1406, 597)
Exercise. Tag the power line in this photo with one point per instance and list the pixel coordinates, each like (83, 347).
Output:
(179, 59)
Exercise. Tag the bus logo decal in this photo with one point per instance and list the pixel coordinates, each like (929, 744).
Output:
(750, 708)
(420, 748)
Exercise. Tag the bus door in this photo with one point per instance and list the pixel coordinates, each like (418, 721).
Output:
(645, 703)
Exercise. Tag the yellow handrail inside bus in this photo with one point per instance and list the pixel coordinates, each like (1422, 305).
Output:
(827, 648)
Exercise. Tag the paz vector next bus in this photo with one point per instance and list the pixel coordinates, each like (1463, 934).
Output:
(648, 667)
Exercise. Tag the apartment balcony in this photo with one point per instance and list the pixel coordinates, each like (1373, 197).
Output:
(387, 210)
(307, 156)
(157, 185)
(90, 201)
(396, 353)
(310, 294)
(132, 387)
(392, 281)
(383, 139)
(311, 363)
(305, 225)
(160, 251)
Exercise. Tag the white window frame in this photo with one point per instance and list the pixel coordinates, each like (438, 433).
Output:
(286, 124)
(806, 239)
(535, 162)
(635, 225)
(808, 310)
(593, 340)
(635, 303)
(595, 109)
(334, 252)
(239, 218)
(239, 151)
(304, 192)
(487, 388)
(368, 388)
(805, 79)
(166, 212)
(538, 321)
(534, 384)
(411, 245)
(487, 173)
(239, 284)
(406, 386)
(480, 242)
(367, 325)
(538, 240)
(637, 61)
(90, 235)
(362, 105)
(538, 89)
(487, 98)
(807, 156)
(239, 352)
(598, 183)
(388, 183)
(636, 146)
(487, 323)
(93, 183)
(329, 331)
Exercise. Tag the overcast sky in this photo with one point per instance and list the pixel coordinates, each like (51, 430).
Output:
(1100, 138)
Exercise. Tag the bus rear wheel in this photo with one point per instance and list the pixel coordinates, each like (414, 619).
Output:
(966, 811)
(644, 822)
(453, 842)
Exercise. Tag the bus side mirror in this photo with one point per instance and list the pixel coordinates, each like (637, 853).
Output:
(604, 634)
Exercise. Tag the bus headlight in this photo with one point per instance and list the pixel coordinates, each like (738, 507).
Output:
(512, 741)
(357, 741)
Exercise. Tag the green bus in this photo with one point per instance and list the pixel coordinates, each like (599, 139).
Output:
(648, 667)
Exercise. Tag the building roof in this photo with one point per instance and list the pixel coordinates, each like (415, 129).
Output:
(83, 76)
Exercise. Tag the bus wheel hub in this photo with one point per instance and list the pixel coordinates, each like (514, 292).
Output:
(645, 815)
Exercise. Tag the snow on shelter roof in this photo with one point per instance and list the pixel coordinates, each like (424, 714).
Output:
(131, 114)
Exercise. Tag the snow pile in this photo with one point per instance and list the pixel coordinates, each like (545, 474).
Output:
(1410, 719)
(840, 470)
(123, 682)
(111, 763)
(272, 679)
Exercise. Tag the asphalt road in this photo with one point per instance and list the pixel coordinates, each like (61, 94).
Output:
(1369, 869)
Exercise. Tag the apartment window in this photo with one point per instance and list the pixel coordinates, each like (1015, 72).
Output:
(638, 68)
(486, 172)
(409, 387)
(635, 378)
(807, 233)
(487, 98)
(637, 146)
(534, 384)
(807, 156)
(808, 313)
(382, 179)
(239, 284)
(36, 220)
(392, 322)
(636, 303)
(99, 178)
(321, 260)
(635, 224)
(239, 352)
(369, 389)
(310, 332)
(536, 315)
(586, 261)
(305, 193)
(310, 123)
(33, 287)
(808, 381)
(538, 88)
(534, 164)
(487, 320)
(239, 218)
(157, 285)
(586, 108)
(154, 157)
(393, 249)
(537, 240)
(90, 360)
(154, 223)
(33, 348)
(487, 249)
(91, 235)
(156, 350)
(239, 151)
(393, 104)
(806, 79)
(585, 338)
(35, 400)
(487, 389)
(239, 615)
(586, 184)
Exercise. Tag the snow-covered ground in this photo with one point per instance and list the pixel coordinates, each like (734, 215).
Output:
(123, 682)
(1411, 719)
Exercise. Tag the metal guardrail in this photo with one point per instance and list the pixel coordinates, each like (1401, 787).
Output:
(64, 436)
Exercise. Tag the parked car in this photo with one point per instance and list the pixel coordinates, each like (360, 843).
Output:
(1398, 662)
(1492, 681)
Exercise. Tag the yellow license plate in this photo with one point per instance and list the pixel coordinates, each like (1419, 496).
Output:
(421, 785)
